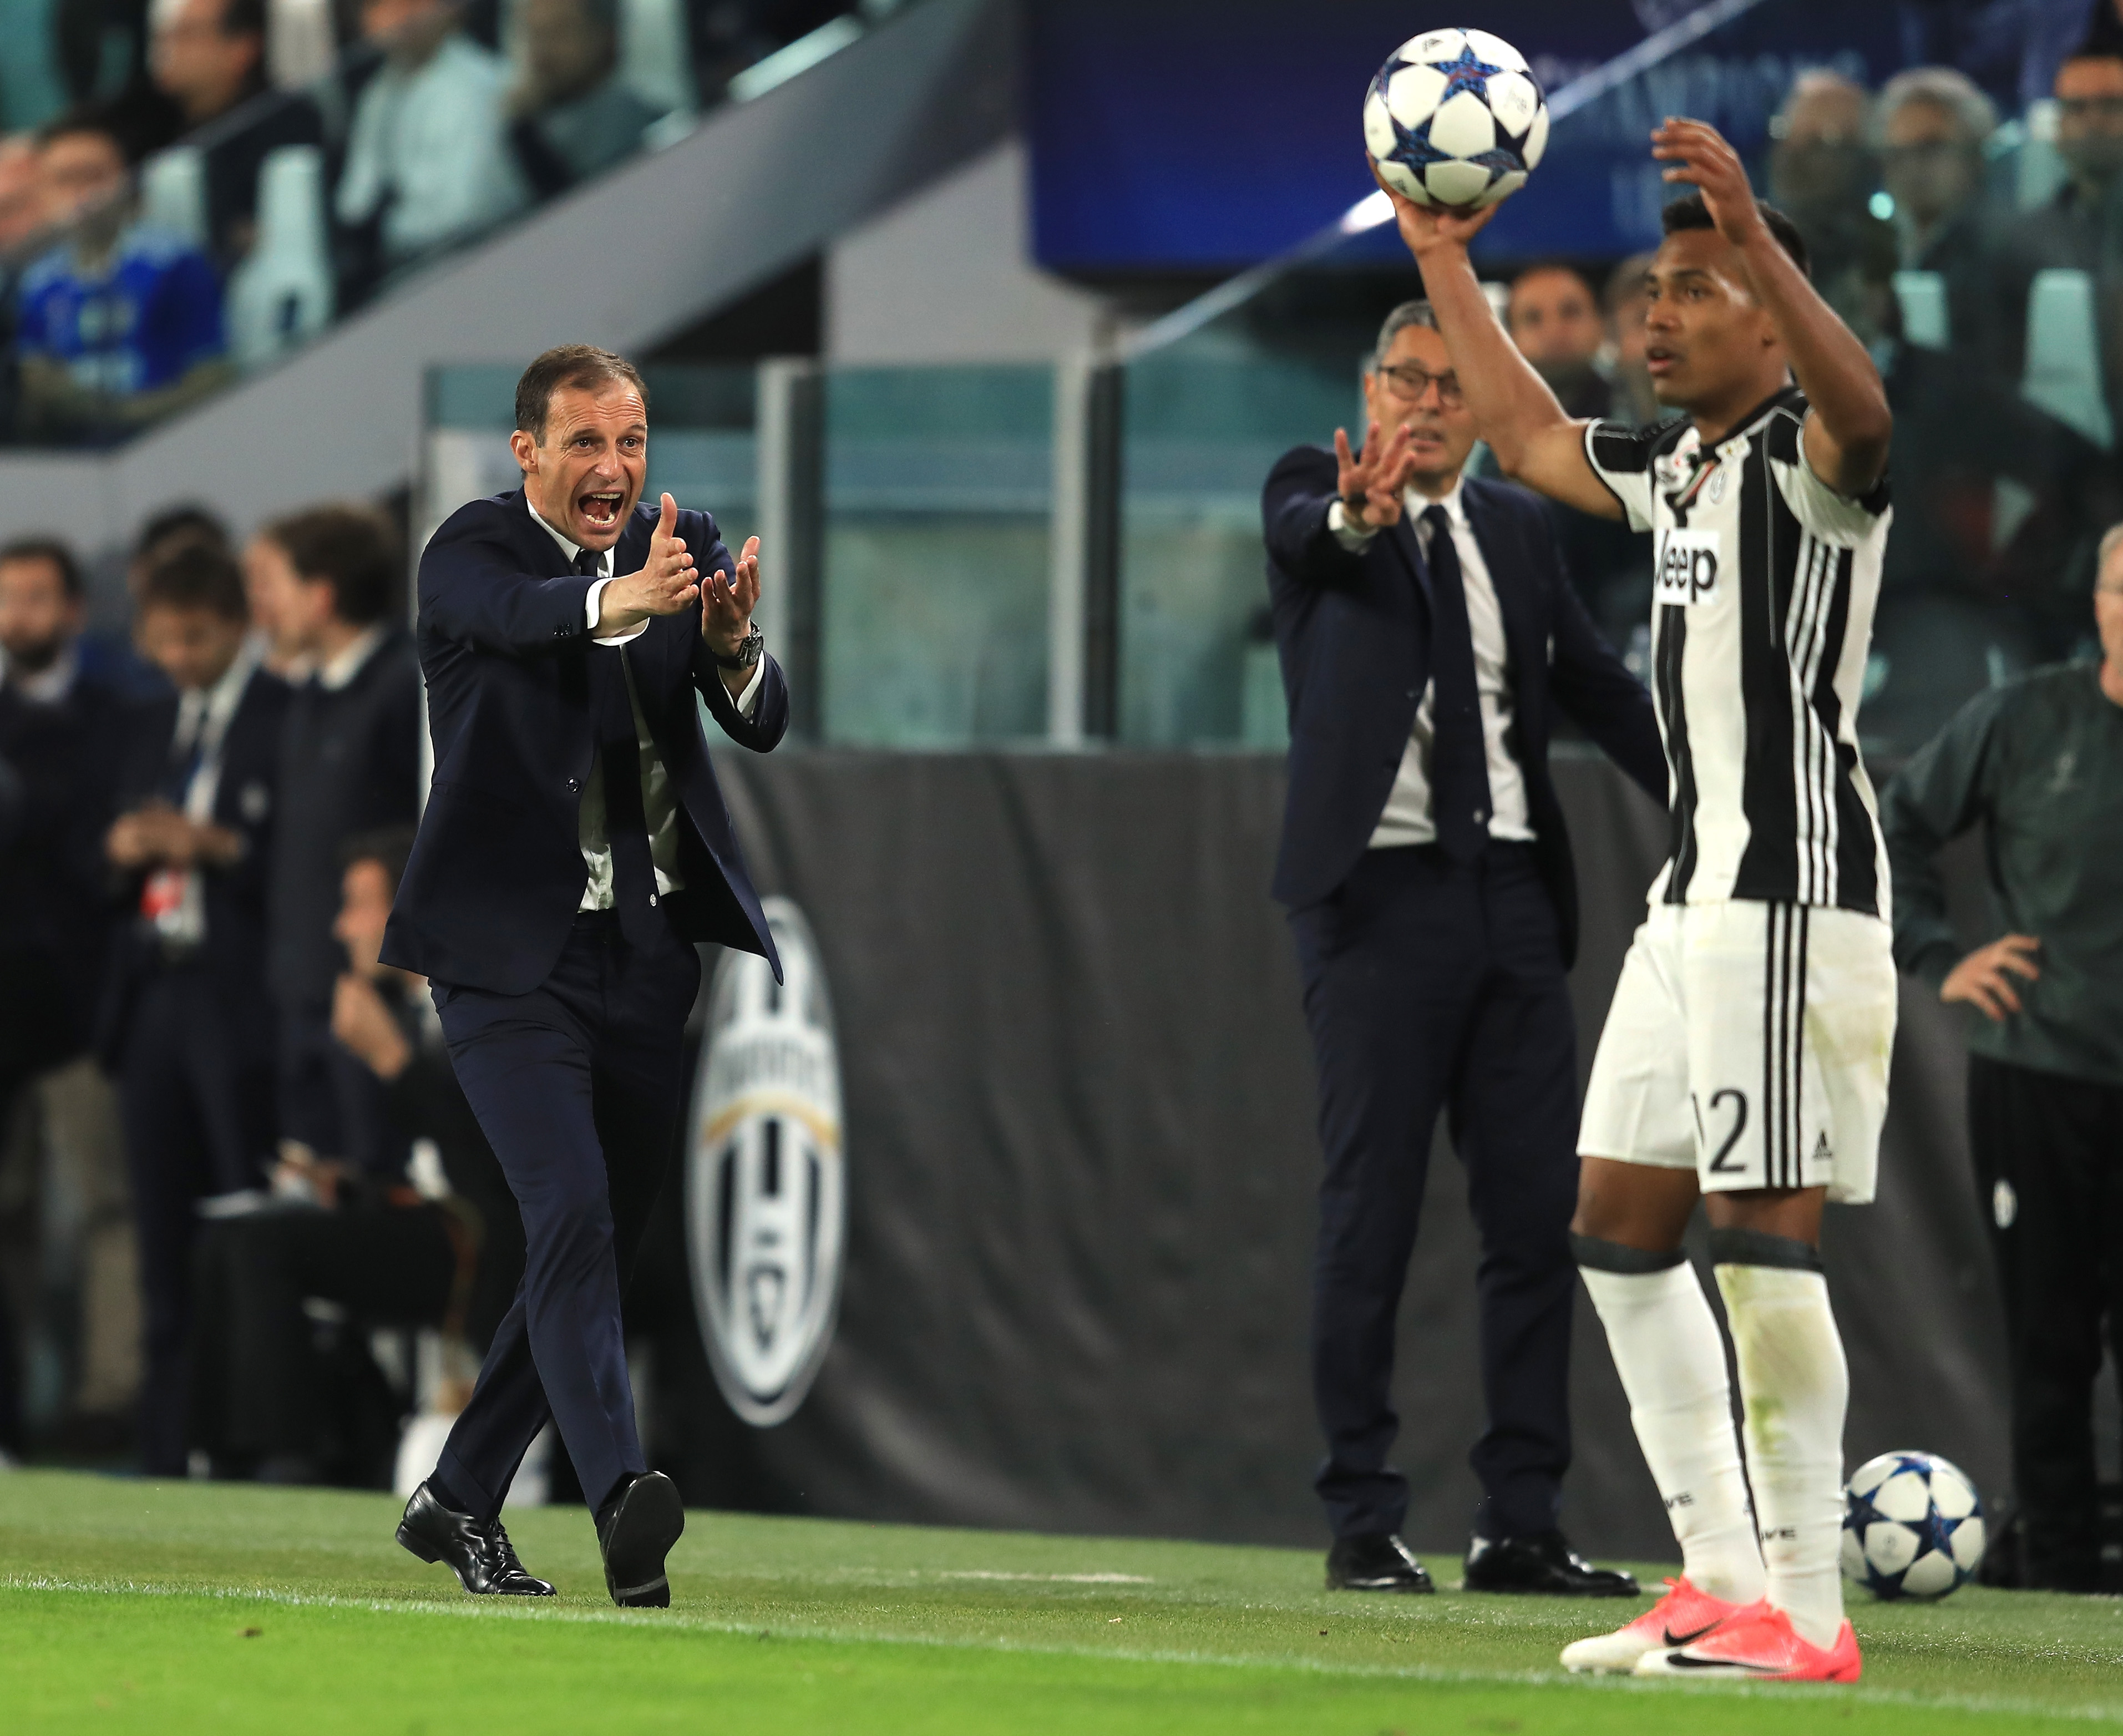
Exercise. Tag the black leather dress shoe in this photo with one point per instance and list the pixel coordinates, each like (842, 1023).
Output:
(1542, 1563)
(636, 1530)
(1375, 1561)
(480, 1555)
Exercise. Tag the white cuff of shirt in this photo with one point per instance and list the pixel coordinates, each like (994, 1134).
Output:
(748, 701)
(1346, 534)
(592, 601)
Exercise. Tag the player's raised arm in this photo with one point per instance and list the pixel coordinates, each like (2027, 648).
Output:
(1534, 440)
(1847, 435)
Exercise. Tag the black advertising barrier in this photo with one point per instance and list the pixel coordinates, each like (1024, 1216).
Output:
(1079, 1170)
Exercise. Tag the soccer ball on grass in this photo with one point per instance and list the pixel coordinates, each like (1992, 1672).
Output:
(1912, 1526)
(1455, 118)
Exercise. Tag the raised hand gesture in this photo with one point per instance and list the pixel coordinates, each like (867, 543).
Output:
(1371, 486)
(1702, 159)
(666, 584)
(726, 611)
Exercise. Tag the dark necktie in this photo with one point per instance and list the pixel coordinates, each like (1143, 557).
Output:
(619, 752)
(1459, 750)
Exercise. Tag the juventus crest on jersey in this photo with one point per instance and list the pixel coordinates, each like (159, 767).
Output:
(1765, 587)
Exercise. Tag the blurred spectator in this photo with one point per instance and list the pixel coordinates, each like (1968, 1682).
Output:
(1930, 124)
(350, 762)
(1626, 300)
(1553, 318)
(21, 192)
(426, 163)
(391, 1252)
(209, 58)
(2038, 765)
(572, 118)
(120, 324)
(64, 729)
(1821, 174)
(187, 1025)
(68, 1266)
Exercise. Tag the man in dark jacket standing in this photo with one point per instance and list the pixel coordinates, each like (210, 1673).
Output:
(350, 764)
(574, 846)
(186, 1026)
(2038, 764)
(1426, 627)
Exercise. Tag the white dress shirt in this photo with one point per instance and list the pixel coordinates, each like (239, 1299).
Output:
(659, 802)
(1407, 819)
(339, 671)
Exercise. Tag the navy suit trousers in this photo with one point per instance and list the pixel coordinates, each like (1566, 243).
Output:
(576, 1085)
(1429, 985)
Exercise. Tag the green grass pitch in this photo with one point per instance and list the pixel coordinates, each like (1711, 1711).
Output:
(173, 1607)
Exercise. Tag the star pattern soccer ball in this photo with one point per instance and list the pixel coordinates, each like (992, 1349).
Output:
(1912, 1526)
(1455, 118)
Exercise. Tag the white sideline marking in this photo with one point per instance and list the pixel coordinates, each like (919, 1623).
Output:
(983, 1573)
(481, 1609)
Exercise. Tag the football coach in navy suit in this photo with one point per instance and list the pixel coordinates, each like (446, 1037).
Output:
(574, 848)
(1427, 629)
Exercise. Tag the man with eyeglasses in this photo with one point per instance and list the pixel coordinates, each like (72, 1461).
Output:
(2038, 764)
(1427, 629)
(2074, 231)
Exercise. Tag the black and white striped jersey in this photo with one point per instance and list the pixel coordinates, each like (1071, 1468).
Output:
(1762, 601)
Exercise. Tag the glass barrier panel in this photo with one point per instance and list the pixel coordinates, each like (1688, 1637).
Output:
(938, 484)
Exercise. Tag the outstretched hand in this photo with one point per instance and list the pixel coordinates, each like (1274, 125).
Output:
(1371, 484)
(666, 584)
(1426, 229)
(728, 600)
(1702, 159)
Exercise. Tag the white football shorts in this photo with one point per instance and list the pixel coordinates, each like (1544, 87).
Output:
(1749, 1042)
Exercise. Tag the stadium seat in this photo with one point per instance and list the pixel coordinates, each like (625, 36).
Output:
(173, 192)
(1926, 321)
(2064, 374)
(300, 43)
(655, 57)
(282, 294)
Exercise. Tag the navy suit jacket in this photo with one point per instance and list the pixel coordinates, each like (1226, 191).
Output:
(246, 800)
(497, 871)
(1352, 631)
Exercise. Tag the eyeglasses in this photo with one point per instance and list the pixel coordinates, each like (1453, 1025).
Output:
(1409, 383)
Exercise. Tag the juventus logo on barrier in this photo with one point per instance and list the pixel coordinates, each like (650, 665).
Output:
(766, 1194)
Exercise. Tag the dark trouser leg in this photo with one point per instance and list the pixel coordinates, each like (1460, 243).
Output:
(594, 1054)
(1391, 965)
(167, 1150)
(309, 1109)
(1514, 1118)
(2039, 1164)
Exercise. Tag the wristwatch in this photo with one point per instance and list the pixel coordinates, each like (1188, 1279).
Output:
(747, 653)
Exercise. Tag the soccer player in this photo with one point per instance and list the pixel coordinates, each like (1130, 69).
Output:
(1745, 1057)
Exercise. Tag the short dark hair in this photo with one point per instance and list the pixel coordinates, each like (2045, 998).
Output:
(195, 577)
(188, 521)
(578, 365)
(49, 549)
(392, 845)
(243, 18)
(1692, 212)
(97, 118)
(348, 547)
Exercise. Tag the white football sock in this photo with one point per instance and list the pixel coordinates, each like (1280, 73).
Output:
(1665, 1345)
(1795, 1386)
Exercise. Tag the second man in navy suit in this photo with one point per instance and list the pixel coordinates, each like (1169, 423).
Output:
(575, 846)
(1428, 630)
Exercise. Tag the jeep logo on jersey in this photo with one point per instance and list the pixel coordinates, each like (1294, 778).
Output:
(765, 1200)
(1688, 568)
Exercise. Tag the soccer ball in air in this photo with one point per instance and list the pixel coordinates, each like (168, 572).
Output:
(1455, 118)
(1912, 1526)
